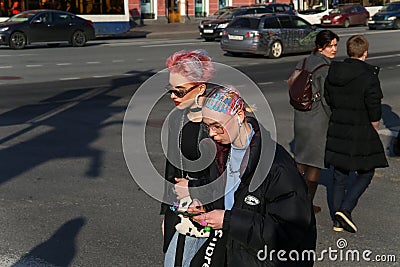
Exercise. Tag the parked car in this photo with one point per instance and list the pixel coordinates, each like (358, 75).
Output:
(49, 26)
(219, 12)
(314, 16)
(387, 18)
(346, 15)
(270, 34)
(278, 8)
(212, 29)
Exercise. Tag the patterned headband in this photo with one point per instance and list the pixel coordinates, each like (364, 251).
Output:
(224, 100)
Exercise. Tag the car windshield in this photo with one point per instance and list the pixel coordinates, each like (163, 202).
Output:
(248, 23)
(230, 14)
(339, 10)
(391, 8)
(25, 16)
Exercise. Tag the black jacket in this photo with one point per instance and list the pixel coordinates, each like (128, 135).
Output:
(172, 171)
(352, 90)
(278, 214)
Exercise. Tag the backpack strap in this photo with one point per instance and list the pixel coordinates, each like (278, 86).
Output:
(304, 64)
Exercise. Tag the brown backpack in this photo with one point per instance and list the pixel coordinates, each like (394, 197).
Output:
(300, 88)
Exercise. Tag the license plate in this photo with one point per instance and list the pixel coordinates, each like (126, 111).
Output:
(208, 31)
(326, 21)
(371, 22)
(235, 37)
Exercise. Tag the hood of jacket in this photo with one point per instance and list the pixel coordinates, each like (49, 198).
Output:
(342, 73)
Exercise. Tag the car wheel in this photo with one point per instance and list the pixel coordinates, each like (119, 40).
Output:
(78, 39)
(346, 23)
(17, 40)
(209, 39)
(275, 50)
(397, 24)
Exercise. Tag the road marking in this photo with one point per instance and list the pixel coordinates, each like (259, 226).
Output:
(69, 78)
(93, 62)
(118, 60)
(6, 67)
(367, 33)
(265, 83)
(253, 63)
(63, 64)
(164, 45)
(101, 76)
(387, 56)
(34, 66)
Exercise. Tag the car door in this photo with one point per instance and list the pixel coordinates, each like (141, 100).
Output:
(64, 26)
(304, 35)
(41, 28)
(288, 35)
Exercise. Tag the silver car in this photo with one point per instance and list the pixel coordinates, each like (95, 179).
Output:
(270, 34)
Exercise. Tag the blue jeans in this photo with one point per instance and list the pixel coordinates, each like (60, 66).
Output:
(347, 198)
(192, 245)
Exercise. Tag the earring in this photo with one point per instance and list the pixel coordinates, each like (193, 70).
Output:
(196, 101)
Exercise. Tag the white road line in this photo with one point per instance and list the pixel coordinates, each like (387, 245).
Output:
(367, 33)
(101, 76)
(128, 74)
(265, 83)
(93, 62)
(118, 60)
(34, 66)
(63, 64)
(163, 45)
(387, 56)
(69, 78)
(6, 67)
(253, 63)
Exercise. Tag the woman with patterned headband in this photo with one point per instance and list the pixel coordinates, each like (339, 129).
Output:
(277, 214)
(189, 72)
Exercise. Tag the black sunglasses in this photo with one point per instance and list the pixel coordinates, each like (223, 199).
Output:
(179, 93)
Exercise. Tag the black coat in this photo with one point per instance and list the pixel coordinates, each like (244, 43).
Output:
(172, 171)
(352, 90)
(278, 214)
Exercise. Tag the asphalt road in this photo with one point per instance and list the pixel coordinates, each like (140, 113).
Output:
(67, 197)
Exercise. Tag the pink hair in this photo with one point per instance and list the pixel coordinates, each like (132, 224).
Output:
(195, 65)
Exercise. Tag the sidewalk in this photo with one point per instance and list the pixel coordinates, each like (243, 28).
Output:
(171, 30)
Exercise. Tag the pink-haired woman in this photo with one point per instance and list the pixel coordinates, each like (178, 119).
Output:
(189, 72)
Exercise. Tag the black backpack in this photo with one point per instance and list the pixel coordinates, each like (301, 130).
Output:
(300, 87)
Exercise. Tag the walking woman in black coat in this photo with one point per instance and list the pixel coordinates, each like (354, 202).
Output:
(352, 90)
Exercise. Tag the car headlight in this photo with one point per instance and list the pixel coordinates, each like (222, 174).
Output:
(223, 26)
(392, 18)
(4, 29)
(337, 17)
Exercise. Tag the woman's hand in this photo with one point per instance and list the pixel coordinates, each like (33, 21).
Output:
(214, 219)
(181, 188)
(162, 227)
(196, 207)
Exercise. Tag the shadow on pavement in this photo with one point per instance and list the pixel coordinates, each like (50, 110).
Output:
(58, 250)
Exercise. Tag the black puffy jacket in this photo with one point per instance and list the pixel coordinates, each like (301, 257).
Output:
(278, 215)
(353, 92)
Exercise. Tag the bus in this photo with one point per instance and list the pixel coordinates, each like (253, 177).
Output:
(108, 16)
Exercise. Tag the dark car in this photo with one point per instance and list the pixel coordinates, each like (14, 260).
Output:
(270, 34)
(387, 18)
(346, 15)
(212, 29)
(49, 26)
(278, 8)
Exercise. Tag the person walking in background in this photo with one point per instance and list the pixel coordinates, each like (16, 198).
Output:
(310, 126)
(189, 72)
(353, 92)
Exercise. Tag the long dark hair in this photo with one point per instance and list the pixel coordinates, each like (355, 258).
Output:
(324, 38)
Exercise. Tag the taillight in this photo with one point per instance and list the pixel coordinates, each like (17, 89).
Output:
(89, 22)
(252, 35)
